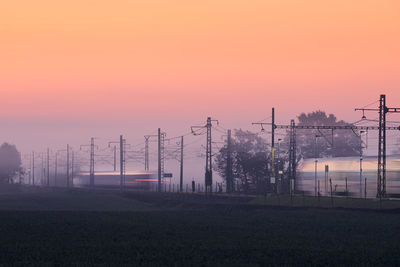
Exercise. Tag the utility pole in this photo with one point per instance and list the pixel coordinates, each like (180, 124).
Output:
(326, 178)
(382, 147)
(229, 176)
(30, 170)
(91, 160)
(146, 150)
(67, 171)
(72, 167)
(33, 167)
(146, 153)
(208, 171)
(382, 110)
(161, 137)
(181, 168)
(56, 165)
(42, 169)
(20, 173)
(115, 158)
(208, 175)
(55, 170)
(91, 168)
(159, 160)
(273, 148)
(361, 161)
(273, 127)
(292, 156)
(122, 161)
(279, 180)
(316, 164)
(48, 167)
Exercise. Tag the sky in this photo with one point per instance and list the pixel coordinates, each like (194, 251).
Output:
(72, 69)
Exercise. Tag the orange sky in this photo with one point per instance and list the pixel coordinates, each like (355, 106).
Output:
(172, 63)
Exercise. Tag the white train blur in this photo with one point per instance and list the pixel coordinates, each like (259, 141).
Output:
(145, 180)
(348, 168)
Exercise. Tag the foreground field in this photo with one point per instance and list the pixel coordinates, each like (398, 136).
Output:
(78, 228)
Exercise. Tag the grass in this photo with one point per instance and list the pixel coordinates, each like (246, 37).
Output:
(64, 200)
(83, 228)
(327, 202)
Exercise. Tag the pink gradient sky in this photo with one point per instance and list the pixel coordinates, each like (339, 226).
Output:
(79, 68)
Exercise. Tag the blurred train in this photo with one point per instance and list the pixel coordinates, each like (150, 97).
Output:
(145, 180)
(343, 169)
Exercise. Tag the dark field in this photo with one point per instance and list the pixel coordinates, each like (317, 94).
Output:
(83, 228)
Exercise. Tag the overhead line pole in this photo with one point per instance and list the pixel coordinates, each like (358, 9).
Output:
(292, 157)
(382, 110)
(30, 170)
(92, 161)
(382, 147)
(208, 170)
(273, 149)
(146, 151)
(55, 170)
(229, 176)
(208, 175)
(33, 167)
(115, 158)
(42, 169)
(56, 165)
(181, 168)
(92, 146)
(72, 167)
(122, 161)
(273, 127)
(146, 154)
(161, 137)
(361, 161)
(48, 167)
(67, 165)
(315, 164)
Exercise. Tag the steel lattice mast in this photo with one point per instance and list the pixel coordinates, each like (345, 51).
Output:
(382, 110)
(208, 170)
(208, 174)
(161, 137)
(292, 156)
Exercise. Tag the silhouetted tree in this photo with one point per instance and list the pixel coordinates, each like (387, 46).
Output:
(249, 160)
(344, 142)
(10, 163)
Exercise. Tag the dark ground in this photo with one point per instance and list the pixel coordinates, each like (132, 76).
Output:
(83, 228)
